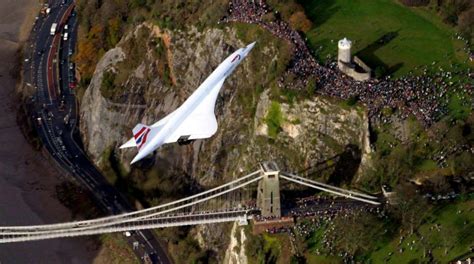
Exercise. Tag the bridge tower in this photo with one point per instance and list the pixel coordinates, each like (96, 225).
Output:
(268, 194)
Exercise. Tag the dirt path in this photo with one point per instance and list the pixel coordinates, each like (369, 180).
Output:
(27, 179)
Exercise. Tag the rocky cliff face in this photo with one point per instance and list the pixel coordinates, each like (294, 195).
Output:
(313, 130)
(310, 130)
(153, 71)
(235, 253)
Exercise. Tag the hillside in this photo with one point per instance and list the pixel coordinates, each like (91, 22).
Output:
(385, 34)
(278, 105)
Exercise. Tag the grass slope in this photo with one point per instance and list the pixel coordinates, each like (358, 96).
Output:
(448, 242)
(414, 37)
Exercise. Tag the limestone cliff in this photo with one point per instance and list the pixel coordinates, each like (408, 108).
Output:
(152, 71)
(235, 253)
(311, 129)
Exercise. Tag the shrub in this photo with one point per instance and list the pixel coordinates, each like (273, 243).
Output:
(274, 119)
(108, 84)
(415, 2)
(300, 22)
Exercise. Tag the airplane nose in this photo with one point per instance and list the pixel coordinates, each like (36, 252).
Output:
(250, 46)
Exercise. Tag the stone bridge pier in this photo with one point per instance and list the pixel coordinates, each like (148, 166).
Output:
(268, 193)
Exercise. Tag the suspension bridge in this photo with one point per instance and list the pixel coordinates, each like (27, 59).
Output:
(232, 201)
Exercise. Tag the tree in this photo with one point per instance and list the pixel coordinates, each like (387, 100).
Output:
(450, 10)
(299, 22)
(114, 31)
(86, 57)
(357, 233)
(466, 23)
(415, 2)
(411, 208)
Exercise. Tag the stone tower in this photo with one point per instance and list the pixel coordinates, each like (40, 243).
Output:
(344, 52)
(268, 194)
(354, 67)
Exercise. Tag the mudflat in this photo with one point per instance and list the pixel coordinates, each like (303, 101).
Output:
(27, 179)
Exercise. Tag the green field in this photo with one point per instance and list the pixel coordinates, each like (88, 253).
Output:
(412, 37)
(451, 241)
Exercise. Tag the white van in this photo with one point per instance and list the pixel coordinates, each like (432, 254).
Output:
(53, 29)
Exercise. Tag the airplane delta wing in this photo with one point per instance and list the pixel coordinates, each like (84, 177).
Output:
(201, 122)
(194, 119)
(130, 143)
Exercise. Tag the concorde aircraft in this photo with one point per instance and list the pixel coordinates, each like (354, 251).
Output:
(194, 119)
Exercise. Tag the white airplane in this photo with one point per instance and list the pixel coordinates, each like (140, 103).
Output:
(194, 119)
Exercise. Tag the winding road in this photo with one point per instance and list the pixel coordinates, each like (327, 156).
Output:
(54, 109)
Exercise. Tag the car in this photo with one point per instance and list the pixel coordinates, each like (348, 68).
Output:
(127, 233)
(71, 66)
(65, 27)
(65, 36)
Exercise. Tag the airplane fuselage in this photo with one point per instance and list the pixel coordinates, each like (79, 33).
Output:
(179, 115)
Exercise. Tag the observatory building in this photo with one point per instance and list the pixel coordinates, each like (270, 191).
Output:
(354, 67)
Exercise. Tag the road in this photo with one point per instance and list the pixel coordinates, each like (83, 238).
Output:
(54, 109)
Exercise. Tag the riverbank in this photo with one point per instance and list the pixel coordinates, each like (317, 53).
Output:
(27, 179)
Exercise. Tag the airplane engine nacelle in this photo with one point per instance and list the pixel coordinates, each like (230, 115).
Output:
(184, 140)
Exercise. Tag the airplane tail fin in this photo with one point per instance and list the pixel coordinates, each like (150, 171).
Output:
(141, 135)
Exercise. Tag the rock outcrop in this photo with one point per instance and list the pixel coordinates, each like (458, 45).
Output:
(316, 129)
(312, 129)
(167, 68)
(235, 253)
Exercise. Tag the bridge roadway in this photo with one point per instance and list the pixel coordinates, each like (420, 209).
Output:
(241, 215)
(171, 207)
(49, 71)
(177, 213)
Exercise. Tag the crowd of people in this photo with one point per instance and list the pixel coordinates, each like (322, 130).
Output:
(323, 206)
(325, 220)
(423, 96)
